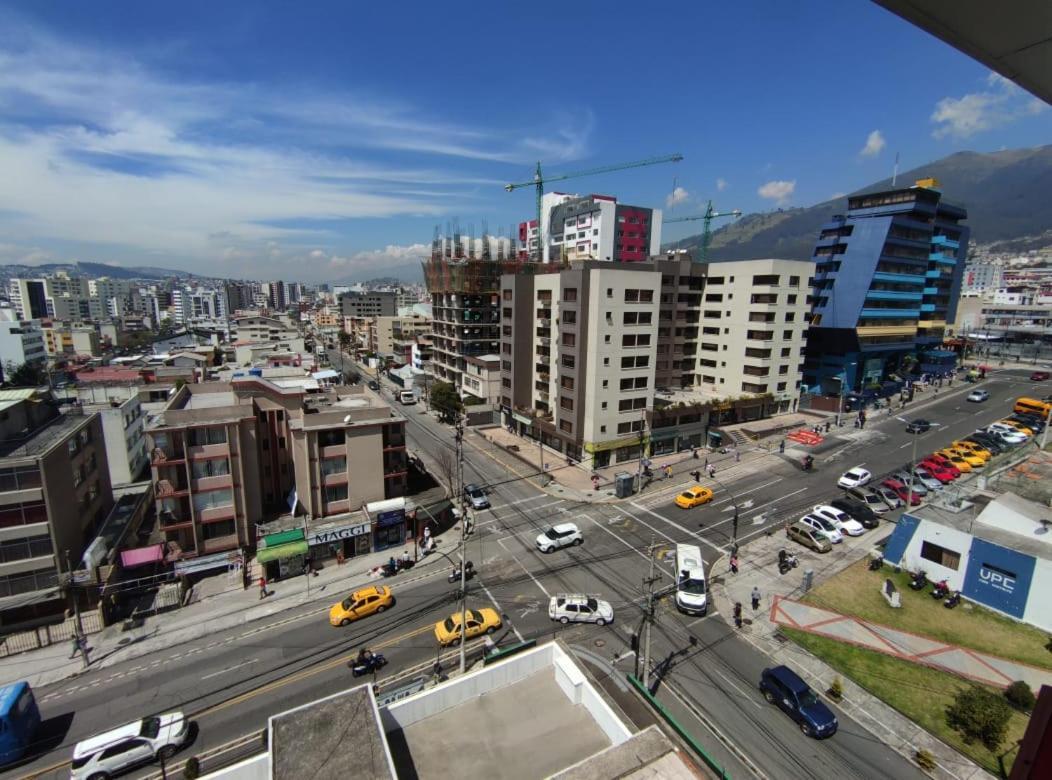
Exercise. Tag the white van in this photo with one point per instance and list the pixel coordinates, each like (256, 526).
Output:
(691, 594)
(406, 397)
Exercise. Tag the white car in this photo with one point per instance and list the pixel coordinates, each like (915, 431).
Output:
(823, 526)
(841, 519)
(154, 738)
(978, 396)
(856, 477)
(579, 608)
(561, 535)
(1007, 433)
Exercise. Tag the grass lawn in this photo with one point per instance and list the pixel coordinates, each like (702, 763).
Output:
(919, 693)
(856, 591)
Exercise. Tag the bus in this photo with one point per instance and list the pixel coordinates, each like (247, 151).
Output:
(19, 721)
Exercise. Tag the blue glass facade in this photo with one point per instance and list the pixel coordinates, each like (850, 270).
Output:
(887, 278)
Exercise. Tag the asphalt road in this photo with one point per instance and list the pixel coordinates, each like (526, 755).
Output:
(231, 682)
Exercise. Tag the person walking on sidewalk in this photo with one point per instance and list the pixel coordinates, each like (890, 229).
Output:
(755, 596)
(76, 646)
(668, 471)
(737, 455)
(737, 614)
(263, 588)
(734, 564)
(711, 471)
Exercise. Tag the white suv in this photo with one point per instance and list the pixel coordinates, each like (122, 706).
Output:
(154, 738)
(561, 535)
(578, 608)
(823, 526)
(842, 520)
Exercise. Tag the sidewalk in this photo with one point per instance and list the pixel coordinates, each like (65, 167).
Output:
(210, 615)
(758, 567)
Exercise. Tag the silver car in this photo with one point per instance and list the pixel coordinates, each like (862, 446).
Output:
(919, 487)
(869, 498)
(927, 479)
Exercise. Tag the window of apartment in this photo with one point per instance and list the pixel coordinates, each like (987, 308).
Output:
(212, 499)
(606, 361)
(25, 513)
(791, 299)
(637, 318)
(765, 280)
(565, 426)
(635, 340)
(787, 335)
(334, 465)
(628, 404)
(335, 492)
(569, 317)
(794, 281)
(505, 383)
(72, 447)
(711, 314)
(85, 436)
(570, 294)
(199, 437)
(21, 549)
(635, 361)
(568, 361)
(715, 280)
(606, 338)
(714, 297)
(609, 292)
(708, 379)
(332, 438)
(781, 386)
(16, 584)
(212, 467)
(639, 296)
(783, 369)
(21, 478)
(790, 316)
(505, 365)
(507, 312)
(566, 382)
(566, 403)
(940, 555)
(634, 383)
(635, 426)
(786, 351)
(507, 296)
(569, 340)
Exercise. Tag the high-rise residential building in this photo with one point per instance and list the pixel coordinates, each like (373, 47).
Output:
(887, 280)
(369, 303)
(596, 227)
(227, 456)
(54, 495)
(29, 298)
(21, 341)
(982, 277)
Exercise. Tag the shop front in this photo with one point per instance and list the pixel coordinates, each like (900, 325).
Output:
(283, 554)
(339, 540)
(388, 522)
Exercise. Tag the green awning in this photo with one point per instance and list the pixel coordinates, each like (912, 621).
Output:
(284, 537)
(280, 551)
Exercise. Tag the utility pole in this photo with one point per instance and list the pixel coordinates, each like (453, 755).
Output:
(81, 642)
(648, 583)
(642, 442)
(459, 437)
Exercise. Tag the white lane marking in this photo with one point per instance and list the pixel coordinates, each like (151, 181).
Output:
(907, 444)
(531, 498)
(536, 582)
(747, 696)
(761, 506)
(500, 610)
(747, 492)
(674, 524)
(230, 668)
(640, 553)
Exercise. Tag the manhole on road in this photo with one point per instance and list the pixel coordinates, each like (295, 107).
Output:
(600, 643)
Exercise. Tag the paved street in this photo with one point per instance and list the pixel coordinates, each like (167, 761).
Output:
(231, 681)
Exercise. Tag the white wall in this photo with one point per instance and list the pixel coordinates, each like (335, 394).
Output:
(1038, 606)
(950, 538)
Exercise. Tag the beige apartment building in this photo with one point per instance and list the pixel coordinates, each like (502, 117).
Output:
(227, 456)
(395, 336)
(54, 495)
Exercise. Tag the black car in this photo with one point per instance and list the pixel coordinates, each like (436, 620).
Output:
(996, 446)
(374, 385)
(782, 686)
(918, 426)
(1034, 423)
(857, 510)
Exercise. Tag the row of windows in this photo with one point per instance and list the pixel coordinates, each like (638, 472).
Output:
(15, 584)
(21, 549)
(335, 492)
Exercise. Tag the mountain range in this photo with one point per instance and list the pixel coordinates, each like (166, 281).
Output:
(1006, 194)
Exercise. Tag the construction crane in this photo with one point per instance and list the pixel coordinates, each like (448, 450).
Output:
(539, 180)
(706, 234)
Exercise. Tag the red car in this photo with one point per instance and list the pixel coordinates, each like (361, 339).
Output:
(1040, 376)
(901, 491)
(945, 462)
(938, 471)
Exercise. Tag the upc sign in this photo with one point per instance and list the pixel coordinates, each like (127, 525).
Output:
(997, 579)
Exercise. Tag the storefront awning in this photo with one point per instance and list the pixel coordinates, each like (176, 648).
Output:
(141, 556)
(281, 551)
(283, 537)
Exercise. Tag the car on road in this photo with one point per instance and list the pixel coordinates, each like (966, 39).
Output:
(823, 526)
(903, 476)
(361, 603)
(857, 510)
(809, 537)
(926, 478)
(841, 519)
(479, 622)
(938, 471)
(579, 608)
(694, 496)
(901, 491)
(869, 498)
(978, 396)
(1040, 376)
(476, 496)
(374, 385)
(156, 738)
(783, 687)
(559, 536)
(856, 477)
(918, 426)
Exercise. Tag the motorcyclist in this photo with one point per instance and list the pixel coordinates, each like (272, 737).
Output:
(392, 565)
(365, 656)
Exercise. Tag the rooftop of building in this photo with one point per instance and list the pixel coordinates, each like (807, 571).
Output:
(486, 361)
(43, 439)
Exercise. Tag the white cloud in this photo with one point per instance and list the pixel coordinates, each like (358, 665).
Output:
(779, 191)
(677, 196)
(721, 184)
(977, 112)
(875, 144)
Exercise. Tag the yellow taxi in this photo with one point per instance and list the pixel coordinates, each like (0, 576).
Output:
(973, 448)
(479, 622)
(960, 463)
(694, 496)
(1018, 426)
(359, 604)
(970, 458)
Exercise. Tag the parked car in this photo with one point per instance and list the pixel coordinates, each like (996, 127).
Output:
(972, 447)
(903, 476)
(809, 537)
(869, 498)
(918, 426)
(945, 462)
(901, 491)
(858, 510)
(841, 519)
(1006, 434)
(973, 460)
(476, 496)
(928, 479)
(1040, 376)
(359, 604)
(374, 385)
(856, 477)
(579, 608)
(479, 622)
(1023, 429)
(978, 396)
(1036, 424)
(694, 496)
(987, 440)
(888, 496)
(783, 687)
(558, 536)
(939, 471)
(823, 526)
(156, 738)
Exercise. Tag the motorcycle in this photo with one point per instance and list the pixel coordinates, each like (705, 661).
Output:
(919, 581)
(469, 572)
(808, 462)
(953, 600)
(786, 561)
(941, 590)
(370, 665)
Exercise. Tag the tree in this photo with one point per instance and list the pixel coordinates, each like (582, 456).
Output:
(344, 339)
(1020, 695)
(446, 401)
(25, 375)
(980, 714)
(446, 460)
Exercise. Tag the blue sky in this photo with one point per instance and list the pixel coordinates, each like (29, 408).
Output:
(318, 140)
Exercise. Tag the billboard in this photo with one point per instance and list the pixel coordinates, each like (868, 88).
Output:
(998, 577)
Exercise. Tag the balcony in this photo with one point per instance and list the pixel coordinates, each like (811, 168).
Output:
(167, 455)
(173, 488)
(892, 295)
(220, 544)
(209, 450)
(215, 514)
(544, 322)
(943, 241)
(885, 276)
(544, 340)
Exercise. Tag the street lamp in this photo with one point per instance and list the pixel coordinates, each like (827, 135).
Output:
(913, 461)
